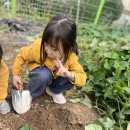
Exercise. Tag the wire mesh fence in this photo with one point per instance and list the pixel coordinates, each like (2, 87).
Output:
(81, 11)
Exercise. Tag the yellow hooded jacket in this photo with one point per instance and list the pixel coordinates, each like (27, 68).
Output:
(4, 75)
(31, 56)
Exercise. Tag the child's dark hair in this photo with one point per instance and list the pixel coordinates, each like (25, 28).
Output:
(1, 52)
(60, 30)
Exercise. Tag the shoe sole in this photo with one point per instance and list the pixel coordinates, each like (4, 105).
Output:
(49, 93)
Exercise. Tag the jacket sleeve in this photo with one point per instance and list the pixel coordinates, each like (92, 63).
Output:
(23, 56)
(26, 54)
(4, 75)
(76, 67)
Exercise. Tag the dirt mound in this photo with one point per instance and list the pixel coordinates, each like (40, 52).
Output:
(60, 117)
(51, 117)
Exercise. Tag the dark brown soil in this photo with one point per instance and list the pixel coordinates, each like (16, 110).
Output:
(44, 114)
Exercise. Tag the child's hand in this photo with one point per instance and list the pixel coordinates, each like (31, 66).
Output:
(62, 71)
(17, 81)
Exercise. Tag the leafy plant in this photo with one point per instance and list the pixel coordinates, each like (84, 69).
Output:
(26, 127)
(105, 55)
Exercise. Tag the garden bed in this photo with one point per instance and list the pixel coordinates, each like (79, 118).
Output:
(44, 114)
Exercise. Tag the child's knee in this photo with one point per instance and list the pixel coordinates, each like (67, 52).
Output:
(41, 74)
(46, 76)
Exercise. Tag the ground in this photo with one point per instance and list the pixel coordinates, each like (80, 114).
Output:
(44, 114)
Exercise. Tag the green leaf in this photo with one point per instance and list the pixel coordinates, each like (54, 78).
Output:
(127, 111)
(26, 127)
(124, 64)
(93, 127)
(86, 101)
(118, 71)
(111, 80)
(127, 74)
(107, 65)
(87, 88)
(107, 92)
(101, 75)
(93, 66)
(128, 127)
(106, 122)
(118, 87)
(120, 115)
(116, 64)
(76, 100)
(125, 47)
(127, 90)
(112, 55)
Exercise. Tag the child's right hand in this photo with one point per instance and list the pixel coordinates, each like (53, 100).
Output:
(17, 81)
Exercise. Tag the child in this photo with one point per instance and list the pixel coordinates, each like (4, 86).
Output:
(52, 61)
(4, 74)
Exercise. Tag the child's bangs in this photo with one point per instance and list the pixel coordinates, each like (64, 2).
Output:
(55, 42)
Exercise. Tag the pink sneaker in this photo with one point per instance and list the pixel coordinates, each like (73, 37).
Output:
(57, 98)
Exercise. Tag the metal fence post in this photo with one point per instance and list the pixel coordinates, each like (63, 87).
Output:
(78, 9)
(13, 8)
(99, 12)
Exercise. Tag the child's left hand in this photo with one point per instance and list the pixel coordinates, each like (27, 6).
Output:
(62, 71)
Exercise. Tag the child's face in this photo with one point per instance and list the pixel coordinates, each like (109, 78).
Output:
(53, 52)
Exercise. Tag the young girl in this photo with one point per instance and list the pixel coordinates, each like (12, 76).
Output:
(52, 61)
(4, 74)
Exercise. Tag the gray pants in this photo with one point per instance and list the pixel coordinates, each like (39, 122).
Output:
(41, 77)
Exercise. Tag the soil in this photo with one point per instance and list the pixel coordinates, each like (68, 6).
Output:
(44, 114)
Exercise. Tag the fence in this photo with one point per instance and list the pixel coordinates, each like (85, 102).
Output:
(80, 10)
